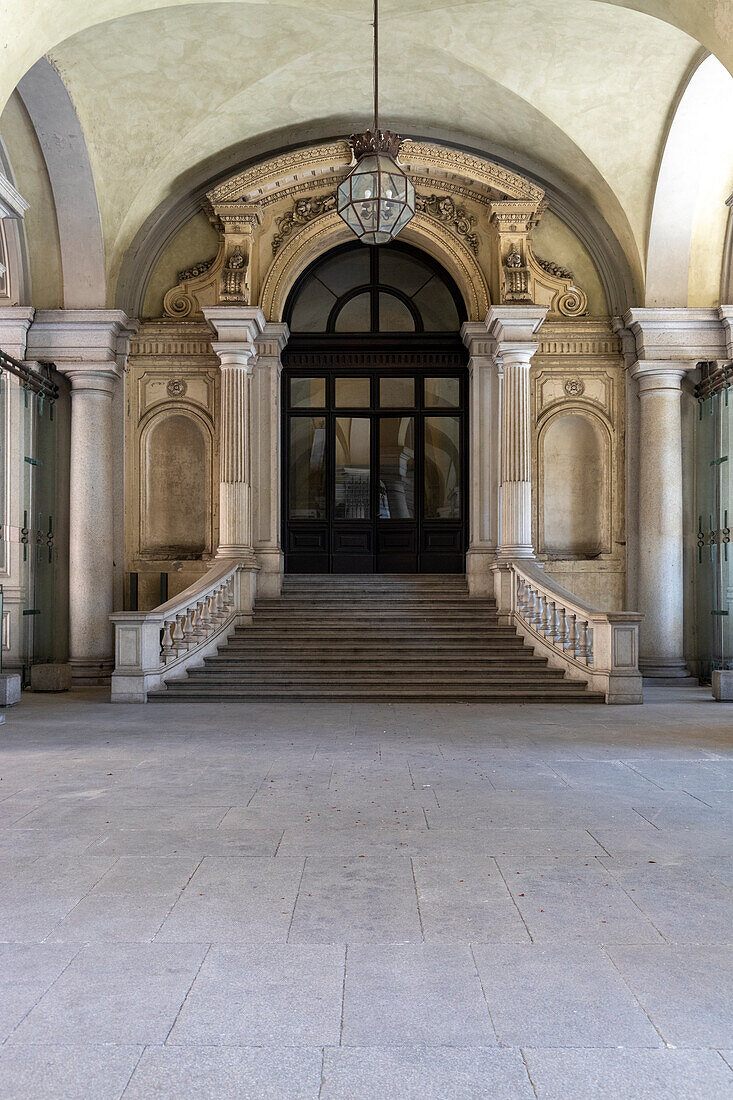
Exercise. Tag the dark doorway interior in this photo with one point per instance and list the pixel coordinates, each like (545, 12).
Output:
(374, 417)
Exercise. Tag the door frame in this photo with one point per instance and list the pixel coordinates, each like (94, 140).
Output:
(416, 555)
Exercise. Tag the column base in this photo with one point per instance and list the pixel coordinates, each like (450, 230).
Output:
(243, 554)
(91, 672)
(664, 670)
(271, 563)
(479, 575)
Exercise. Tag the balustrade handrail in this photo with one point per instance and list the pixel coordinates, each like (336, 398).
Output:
(600, 647)
(196, 591)
(151, 645)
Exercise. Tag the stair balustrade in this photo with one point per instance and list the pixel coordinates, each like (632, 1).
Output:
(599, 647)
(152, 647)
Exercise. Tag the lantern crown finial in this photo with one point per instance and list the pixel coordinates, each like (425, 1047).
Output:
(376, 141)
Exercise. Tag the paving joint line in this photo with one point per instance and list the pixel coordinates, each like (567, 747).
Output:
(132, 1073)
(42, 995)
(483, 994)
(511, 895)
(343, 996)
(604, 948)
(297, 895)
(417, 898)
(529, 1075)
(180, 1007)
(180, 895)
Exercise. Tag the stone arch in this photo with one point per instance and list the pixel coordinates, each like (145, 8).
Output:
(574, 446)
(328, 231)
(176, 503)
(62, 142)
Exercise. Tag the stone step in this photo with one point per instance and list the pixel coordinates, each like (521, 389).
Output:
(561, 692)
(375, 638)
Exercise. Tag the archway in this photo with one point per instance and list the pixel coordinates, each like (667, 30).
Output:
(374, 400)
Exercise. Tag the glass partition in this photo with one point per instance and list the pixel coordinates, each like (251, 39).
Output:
(714, 496)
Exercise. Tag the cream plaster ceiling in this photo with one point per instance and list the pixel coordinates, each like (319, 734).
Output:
(580, 87)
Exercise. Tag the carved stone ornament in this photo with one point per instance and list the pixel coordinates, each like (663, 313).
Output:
(554, 269)
(195, 271)
(304, 210)
(234, 282)
(177, 387)
(574, 387)
(443, 208)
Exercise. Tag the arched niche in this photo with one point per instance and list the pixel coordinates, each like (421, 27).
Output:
(575, 478)
(175, 474)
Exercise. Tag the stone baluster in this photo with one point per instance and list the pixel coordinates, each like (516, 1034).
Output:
(166, 645)
(568, 642)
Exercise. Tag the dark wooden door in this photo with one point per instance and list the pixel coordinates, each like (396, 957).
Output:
(375, 476)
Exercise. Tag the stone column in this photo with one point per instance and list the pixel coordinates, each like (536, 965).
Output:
(661, 533)
(91, 530)
(484, 458)
(89, 346)
(266, 470)
(514, 329)
(236, 328)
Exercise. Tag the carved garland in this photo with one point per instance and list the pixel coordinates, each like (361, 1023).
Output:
(440, 207)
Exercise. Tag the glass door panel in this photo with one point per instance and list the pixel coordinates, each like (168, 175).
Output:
(307, 467)
(442, 467)
(352, 481)
(375, 471)
(397, 467)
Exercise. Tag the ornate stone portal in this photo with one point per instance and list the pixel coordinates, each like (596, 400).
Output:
(476, 218)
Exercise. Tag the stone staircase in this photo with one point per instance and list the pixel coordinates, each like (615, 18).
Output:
(377, 638)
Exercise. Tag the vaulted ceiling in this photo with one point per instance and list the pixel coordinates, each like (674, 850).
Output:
(168, 94)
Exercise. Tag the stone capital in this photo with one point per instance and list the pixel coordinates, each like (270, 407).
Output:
(725, 313)
(690, 335)
(81, 336)
(514, 327)
(235, 325)
(93, 378)
(14, 324)
(660, 374)
(477, 340)
(271, 341)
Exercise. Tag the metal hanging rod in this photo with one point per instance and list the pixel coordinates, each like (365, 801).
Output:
(32, 379)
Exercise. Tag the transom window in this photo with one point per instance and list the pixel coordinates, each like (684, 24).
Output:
(385, 289)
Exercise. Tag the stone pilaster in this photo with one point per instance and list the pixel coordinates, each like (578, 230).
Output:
(236, 328)
(89, 347)
(514, 329)
(484, 458)
(266, 387)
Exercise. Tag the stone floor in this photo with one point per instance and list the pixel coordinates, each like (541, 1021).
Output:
(303, 901)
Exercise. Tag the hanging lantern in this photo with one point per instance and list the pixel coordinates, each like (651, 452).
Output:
(376, 200)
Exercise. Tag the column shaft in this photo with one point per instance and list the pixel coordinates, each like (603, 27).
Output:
(516, 442)
(661, 644)
(235, 489)
(91, 528)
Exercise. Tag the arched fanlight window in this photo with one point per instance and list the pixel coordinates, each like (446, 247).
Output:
(390, 289)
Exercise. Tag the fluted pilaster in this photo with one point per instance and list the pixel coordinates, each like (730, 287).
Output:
(238, 328)
(514, 329)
